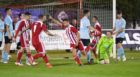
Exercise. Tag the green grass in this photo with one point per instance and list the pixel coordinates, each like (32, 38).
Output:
(67, 67)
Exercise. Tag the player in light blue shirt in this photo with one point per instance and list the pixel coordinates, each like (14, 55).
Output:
(119, 31)
(8, 34)
(85, 28)
(1, 29)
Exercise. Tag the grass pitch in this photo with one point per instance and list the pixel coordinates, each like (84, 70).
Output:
(67, 68)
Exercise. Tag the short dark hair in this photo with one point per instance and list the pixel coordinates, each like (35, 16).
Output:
(41, 16)
(95, 17)
(86, 11)
(27, 13)
(19, 15)
(7, 9)
(119, 12)
(66, 19)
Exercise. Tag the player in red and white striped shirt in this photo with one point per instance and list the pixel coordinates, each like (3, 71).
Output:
(74, 37)
(24, 39)
(95, 36)
(75, 42)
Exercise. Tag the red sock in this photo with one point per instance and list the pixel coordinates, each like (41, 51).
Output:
(87, 48)
(36, 56)
(45, 58)
(30, 58)
(94, 52)
(77, 59)
(19, 55)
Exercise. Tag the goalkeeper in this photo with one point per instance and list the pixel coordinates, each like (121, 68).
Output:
(104, 48)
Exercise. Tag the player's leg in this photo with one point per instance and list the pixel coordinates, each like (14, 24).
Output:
(81, 48)
(95, 56)
(86, 43)
(8, 47)
(79, 53)
(76, 58)
(74, 53)
(101, 58)
(19, 56)
(107, 61)
(27, 61)
(28, 54)
(120, 50)
(6, 50)
(21, 48)
(4, 54)
(41, 53)
(92, 47)
(106, 58)
(88, 53)
(0, 46)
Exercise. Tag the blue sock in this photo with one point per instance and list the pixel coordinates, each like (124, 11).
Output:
(4, 56)
(27, 60)
(119, 51)
(88, 56)
(79, 53)
(122, 52)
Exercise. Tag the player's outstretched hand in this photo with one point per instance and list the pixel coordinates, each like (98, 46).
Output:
(50, 17)
(115, 33)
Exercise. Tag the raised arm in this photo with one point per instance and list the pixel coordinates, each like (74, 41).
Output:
(46, 31)
(19, 29)
(55, 21)
(49, 33)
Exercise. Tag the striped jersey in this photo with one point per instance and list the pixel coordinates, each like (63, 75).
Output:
(71, 33)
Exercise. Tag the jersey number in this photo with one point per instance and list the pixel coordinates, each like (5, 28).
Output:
(35, 27)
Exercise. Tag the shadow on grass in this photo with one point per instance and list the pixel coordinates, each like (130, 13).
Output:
(62, 64)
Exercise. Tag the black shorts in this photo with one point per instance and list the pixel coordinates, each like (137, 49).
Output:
(0, 43)
(7, 40)
(18, 45)
(119, 40)
(85, 41)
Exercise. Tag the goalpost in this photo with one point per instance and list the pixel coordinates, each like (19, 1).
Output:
(114, 19)
(104, 9)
